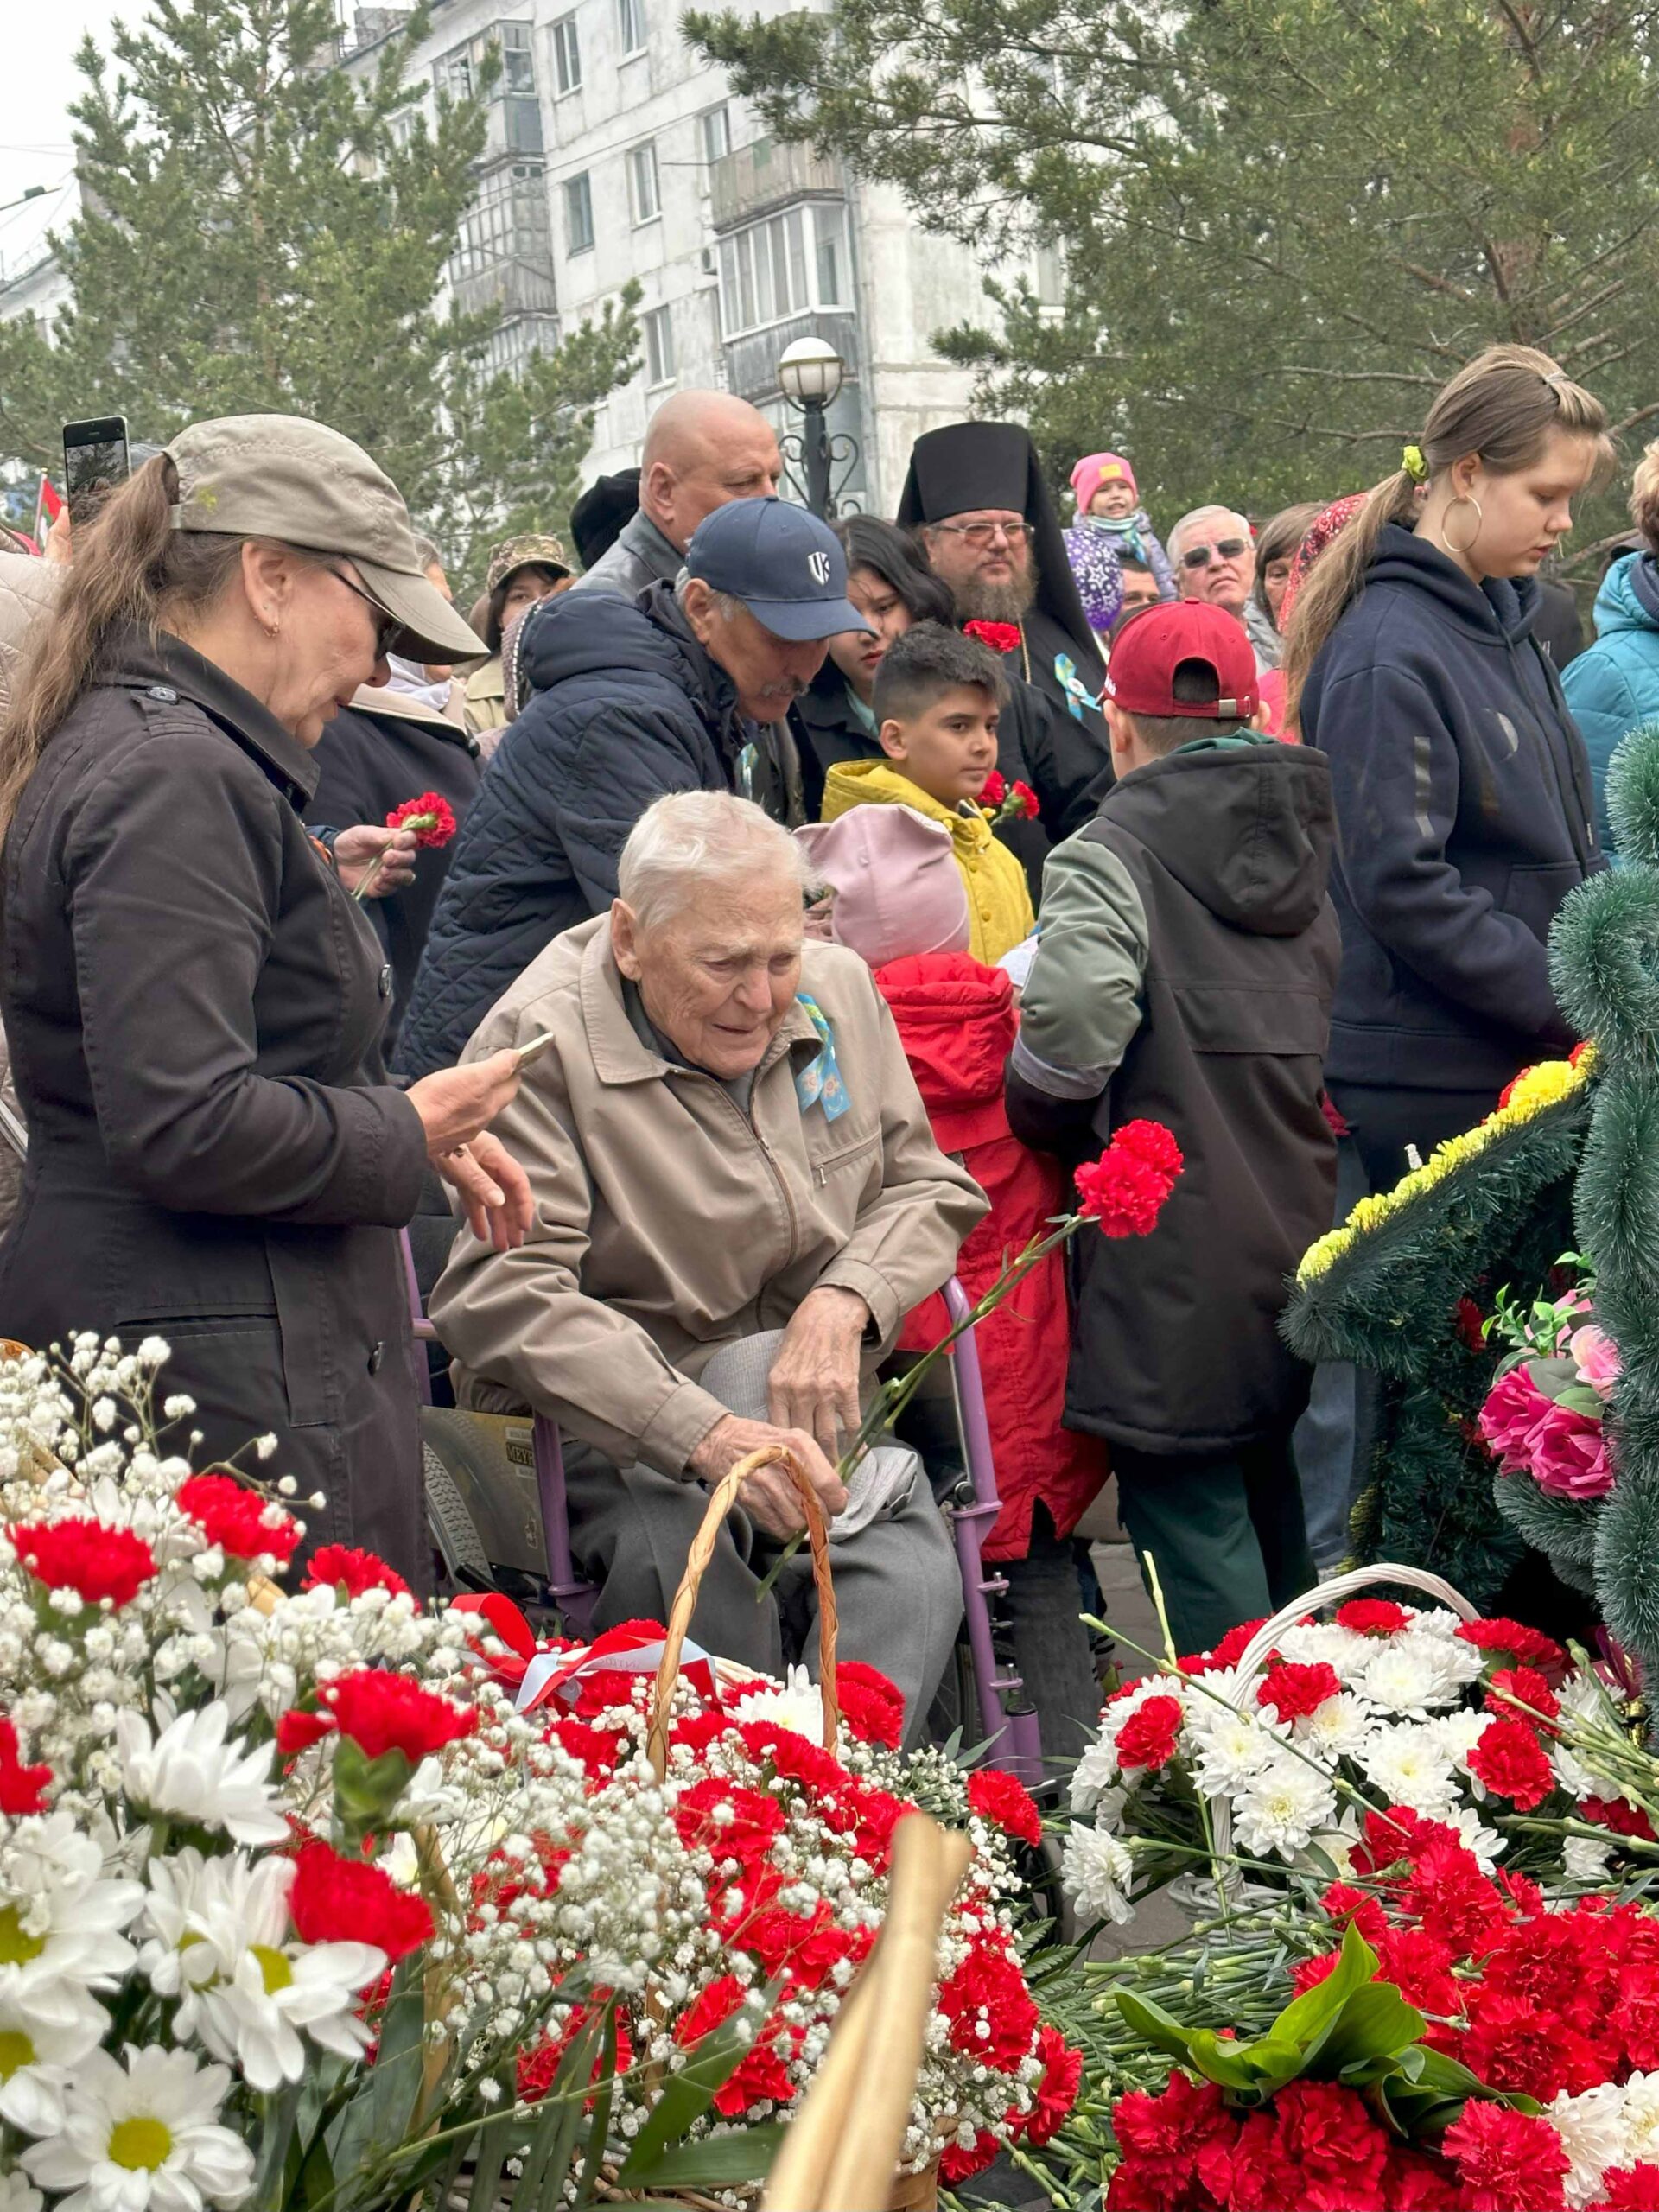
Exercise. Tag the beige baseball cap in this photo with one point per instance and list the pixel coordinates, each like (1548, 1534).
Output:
(280, 476)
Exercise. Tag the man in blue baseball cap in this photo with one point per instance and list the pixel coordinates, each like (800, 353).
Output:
(686, 687)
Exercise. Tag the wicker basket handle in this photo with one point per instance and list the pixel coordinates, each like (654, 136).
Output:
(720, 1501)
(1252, 1659)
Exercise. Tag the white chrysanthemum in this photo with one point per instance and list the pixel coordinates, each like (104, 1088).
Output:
(1487, 1845)
(1240, 1746)
(1280, 1808)
(218, 1941)
(17, 2194)
(190, 1771)
(1586, 1858)
(795, 1703)
(1094, 1774)
(60, 1921)
(144, 2137)
(1457, 1733)
(38, 2056)
(1409, 1675)
(1410, 1765)
(1594, 2135)
(1096, 1871)
(1642, 2118)
(1308, 1643)
(1336, 1729)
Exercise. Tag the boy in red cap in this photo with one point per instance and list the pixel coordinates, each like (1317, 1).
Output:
(1184, 974)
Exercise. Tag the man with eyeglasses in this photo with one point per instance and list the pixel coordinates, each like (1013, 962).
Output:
(976, 498)
(1214, 558)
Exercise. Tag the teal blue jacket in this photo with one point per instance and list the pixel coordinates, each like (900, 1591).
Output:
(1613, 686)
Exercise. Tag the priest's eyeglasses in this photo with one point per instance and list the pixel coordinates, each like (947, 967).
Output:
(979, 535)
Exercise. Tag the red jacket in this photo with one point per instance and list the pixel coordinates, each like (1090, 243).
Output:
(957, 1020)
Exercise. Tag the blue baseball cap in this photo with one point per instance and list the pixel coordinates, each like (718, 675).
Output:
(785, 565)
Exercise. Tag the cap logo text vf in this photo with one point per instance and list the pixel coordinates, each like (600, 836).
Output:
(818, 566)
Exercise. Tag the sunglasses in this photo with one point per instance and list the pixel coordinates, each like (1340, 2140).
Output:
(386, 627)
(979, 535)
(1225, 549)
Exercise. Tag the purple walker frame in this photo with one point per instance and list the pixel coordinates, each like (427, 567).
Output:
(1013, 1743)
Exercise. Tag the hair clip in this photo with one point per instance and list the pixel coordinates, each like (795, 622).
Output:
(1416, 466)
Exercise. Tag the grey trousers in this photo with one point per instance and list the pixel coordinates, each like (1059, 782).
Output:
(898, 1592)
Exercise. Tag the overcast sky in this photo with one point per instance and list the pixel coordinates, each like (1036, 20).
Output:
(37, 50)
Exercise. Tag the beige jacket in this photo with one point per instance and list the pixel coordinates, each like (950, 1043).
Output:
(668, 1225)
(28, 587)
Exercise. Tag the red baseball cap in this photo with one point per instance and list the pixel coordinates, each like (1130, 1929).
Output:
(1183, 633)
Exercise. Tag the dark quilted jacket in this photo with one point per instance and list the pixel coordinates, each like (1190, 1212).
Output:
(625, 706)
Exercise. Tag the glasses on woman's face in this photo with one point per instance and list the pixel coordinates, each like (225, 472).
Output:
(386, 627)
(1224, 549)
(979, 535)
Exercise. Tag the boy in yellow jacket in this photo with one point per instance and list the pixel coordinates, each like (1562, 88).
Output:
(936, 698)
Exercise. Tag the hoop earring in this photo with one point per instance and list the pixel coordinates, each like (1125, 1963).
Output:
(1463, 499)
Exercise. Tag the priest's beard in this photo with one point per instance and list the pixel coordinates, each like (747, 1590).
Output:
(976, 600)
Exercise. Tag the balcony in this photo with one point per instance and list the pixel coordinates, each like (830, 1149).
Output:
(755, 179)
(752, 361)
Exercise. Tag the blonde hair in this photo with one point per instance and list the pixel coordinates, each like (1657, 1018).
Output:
(1644, 495)
(1503, 406)
(130, 568)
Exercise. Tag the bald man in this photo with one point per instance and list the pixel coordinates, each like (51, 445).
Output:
(703, 450)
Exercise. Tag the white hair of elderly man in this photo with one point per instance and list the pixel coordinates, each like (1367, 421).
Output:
(688, 839)
(1195, 516)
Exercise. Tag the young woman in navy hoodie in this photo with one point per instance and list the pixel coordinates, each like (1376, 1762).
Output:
(1465, 808)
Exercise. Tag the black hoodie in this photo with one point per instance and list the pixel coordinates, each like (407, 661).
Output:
(1465, 815)
(1212, 864)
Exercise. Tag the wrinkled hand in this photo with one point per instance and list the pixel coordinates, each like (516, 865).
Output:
(768, 1496)
(357, 849)
(456, 1104)
(814, 1380)
(494, 1191)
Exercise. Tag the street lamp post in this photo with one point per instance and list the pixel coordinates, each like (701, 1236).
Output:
(810, 374)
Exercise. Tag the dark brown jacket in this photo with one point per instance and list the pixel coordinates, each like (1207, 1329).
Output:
(194, 1008)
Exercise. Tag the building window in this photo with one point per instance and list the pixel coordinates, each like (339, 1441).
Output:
(631, 23)
(787, 264)
(643, 192)
(517, 61)
(716, 126)
(659, 347)
(457, 71)
(567, 55)
(578, 214)
(454, 74)
(506, 222)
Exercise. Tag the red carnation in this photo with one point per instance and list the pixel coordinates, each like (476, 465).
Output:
(1527, 1687)
(1151, 1734)
(1057, 2091)
(874, 1815)
(1309, 1973)
(1233, 1645)
(872, 1707)
(431, 817)
(596, 1751)
(1343, 1902)
(83, 1556)
(793, 1757)
(727, 1819)
(1293, 1691)
(808, 1950)
(385, 1712)
(1121, 1194)
(1524, 1645)
(1327, 2136)
(1419, 1966)
(341, 1565)
(1454, 1900)
(1503, 2046)
(336, 1900)
(296, 1730)
(1618, 1815)
(957, 2164)
(242, 1523)
(761, 2076)
(1153, 1143)
(1418, 2183)
(1372, 1617)
(23, 1788)
(1001, 637)
(1511, 1762)
(1508, 2161)
(536, 2068)
(989, 2008)
(1025, 801)
(1630, 2189)
(1186, 2127)
(994, 789)
(698, 1730)
(1006, 1803)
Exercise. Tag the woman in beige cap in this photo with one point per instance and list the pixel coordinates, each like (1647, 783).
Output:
(523, 572)
(193, 1002)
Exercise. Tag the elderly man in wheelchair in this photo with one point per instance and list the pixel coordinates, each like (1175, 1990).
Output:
(737, 1198)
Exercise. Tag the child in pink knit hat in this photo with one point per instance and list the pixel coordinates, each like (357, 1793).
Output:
(1110, 517)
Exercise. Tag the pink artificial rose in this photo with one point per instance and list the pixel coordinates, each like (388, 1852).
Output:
(1598, 1359)
(1567, 1454)
(1513, 1407)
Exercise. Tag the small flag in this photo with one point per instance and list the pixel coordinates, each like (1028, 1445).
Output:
(47, 508)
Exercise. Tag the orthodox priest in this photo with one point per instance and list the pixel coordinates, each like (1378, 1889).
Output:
(976, 499)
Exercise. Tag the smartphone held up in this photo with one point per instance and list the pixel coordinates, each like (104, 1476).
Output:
(95, 460)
